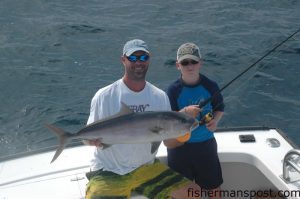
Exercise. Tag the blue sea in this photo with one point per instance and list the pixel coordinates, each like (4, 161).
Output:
(54, 56)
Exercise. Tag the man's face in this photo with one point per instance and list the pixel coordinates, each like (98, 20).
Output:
(136, 65)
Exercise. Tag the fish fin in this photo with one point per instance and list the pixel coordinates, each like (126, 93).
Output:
(63, 137)
(125, 110)
(154, 146)
(156, 129)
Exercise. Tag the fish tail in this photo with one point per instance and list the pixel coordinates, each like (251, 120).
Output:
(63, 137)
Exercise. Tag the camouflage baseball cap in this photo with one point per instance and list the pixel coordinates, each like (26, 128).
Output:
(188, 51)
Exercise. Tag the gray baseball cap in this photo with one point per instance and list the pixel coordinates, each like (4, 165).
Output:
(188, 51)
(133, 46)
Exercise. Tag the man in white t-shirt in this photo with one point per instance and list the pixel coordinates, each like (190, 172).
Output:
(122, 168)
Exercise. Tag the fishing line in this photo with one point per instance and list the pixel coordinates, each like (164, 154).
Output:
(209, 116)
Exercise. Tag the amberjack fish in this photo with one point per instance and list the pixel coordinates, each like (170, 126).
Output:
(128, 127)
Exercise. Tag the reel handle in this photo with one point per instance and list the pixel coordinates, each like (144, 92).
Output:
(206, 118)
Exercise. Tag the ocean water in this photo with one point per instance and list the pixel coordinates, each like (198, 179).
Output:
(54, 56)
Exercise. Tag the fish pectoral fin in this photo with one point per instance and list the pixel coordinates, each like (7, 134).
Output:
(156, 129)
(154, 146)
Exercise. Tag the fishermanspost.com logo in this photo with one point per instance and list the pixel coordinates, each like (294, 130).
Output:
(244, 193)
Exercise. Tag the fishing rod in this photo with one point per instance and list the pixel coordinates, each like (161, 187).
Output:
(209, 116)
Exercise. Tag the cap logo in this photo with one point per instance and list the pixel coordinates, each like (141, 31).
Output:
(188, 51)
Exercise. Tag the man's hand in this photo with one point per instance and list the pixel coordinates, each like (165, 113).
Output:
(175, 142)
(97, 143)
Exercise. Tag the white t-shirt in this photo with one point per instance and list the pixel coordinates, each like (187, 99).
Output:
(124, 158)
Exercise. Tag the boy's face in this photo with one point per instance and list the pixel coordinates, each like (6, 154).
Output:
(189, 68)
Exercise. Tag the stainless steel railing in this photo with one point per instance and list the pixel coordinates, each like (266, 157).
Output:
(290, 165)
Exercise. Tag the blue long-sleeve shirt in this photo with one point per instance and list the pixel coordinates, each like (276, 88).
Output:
(182, 95)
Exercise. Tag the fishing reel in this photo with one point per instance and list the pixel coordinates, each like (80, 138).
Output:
(206, 118)
(203, 120)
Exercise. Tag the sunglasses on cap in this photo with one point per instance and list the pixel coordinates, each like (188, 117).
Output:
(134, 58)
(188, 62)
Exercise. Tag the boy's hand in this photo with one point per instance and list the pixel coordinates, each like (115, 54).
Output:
(191, 110)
